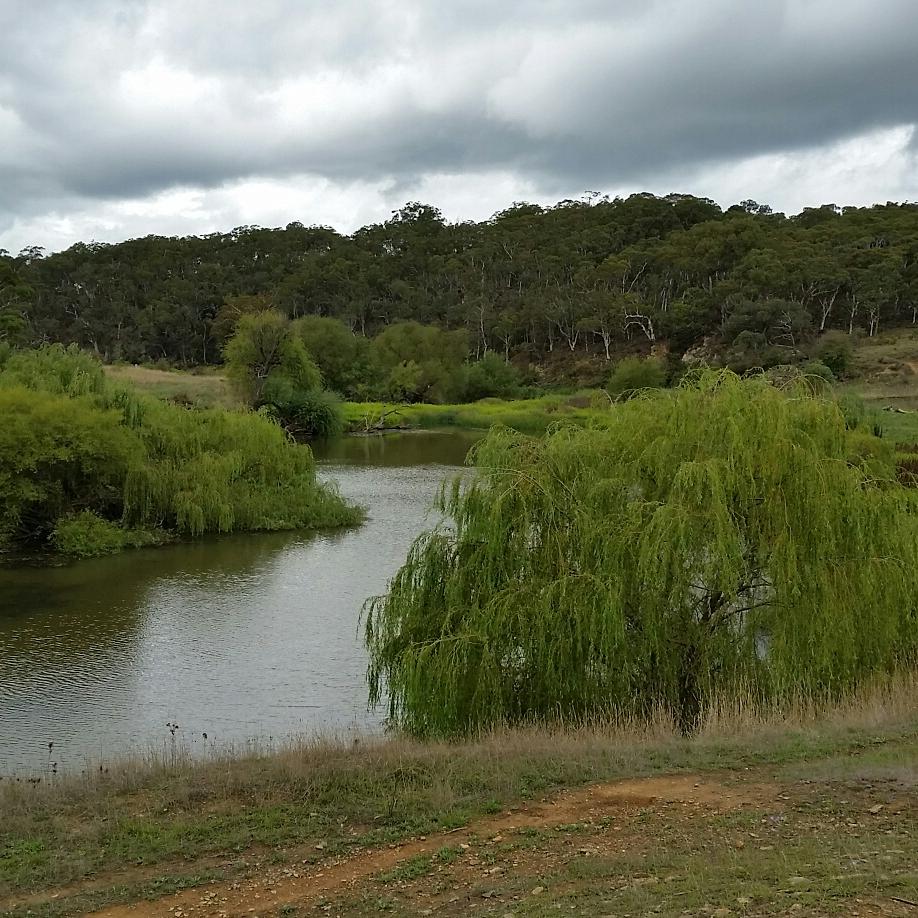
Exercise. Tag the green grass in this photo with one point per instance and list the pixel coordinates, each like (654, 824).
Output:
(526, 415)
(884, 373)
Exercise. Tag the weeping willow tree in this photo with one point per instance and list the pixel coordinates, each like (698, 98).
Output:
(724, 538)
(87, 466)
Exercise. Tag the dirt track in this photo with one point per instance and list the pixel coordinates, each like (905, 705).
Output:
(270, 889)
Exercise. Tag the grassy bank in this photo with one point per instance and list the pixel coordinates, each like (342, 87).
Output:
(138, 830)
(526, 415)
(203, 389)
(880, 388)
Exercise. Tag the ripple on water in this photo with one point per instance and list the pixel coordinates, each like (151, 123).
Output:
(239, 637)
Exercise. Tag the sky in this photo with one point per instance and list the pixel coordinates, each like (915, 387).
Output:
(121, 118)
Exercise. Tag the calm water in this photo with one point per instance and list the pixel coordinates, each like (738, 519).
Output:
(242, 637)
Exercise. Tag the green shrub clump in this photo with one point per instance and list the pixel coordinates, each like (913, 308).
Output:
(835, 349)
(81, 458)
(87, 535)
(632, 374)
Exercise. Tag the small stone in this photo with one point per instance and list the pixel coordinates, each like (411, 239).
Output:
(875, 809)
(536, 890)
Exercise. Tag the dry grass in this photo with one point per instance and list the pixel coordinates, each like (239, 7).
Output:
(885, 371)
(388, 786)
(203, 389)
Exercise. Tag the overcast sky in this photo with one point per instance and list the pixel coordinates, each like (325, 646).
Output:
(120, 118)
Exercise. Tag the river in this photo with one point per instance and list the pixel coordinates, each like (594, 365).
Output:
(244, 638)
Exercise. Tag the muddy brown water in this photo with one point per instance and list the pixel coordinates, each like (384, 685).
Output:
(247, 638)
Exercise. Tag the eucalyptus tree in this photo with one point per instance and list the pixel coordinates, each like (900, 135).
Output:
(723, 540)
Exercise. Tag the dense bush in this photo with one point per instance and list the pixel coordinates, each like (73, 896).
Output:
(78, 454)
(59, 455)
(304, 412)
(490, 377)
(264, 348)
(420, 362)
(87, 535)
(632, 374)
(342, 357)
(835, 349)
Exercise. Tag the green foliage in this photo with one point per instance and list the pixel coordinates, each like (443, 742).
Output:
(57, 456)
(342, 357)
(304, 413)
(819, 370)
(581, 278)
(263, 348)
(632, 374)
(725, 539)
(79, 455)
(490, 377)
(55, 369)
(221, 471)
(87, 535)
(420, 362)
(835, 349)
(268, 359)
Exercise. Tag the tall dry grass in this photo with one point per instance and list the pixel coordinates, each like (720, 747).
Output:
(494, 760)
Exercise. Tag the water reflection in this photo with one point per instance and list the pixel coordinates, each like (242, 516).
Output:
(237, 637)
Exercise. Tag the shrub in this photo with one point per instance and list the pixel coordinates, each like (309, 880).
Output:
(819, 370)
(836, 350)
(304, 413)
(58, 454)
(87, 535)
(264, 348)
(342, 356)
(631, 374)
(141, 463)
(490, 377)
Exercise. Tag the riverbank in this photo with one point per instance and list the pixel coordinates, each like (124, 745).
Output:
(533, 415)
(809, 815)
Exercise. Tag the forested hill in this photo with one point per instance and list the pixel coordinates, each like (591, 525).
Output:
(585, 276)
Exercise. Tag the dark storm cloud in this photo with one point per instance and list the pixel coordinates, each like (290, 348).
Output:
(108, 100)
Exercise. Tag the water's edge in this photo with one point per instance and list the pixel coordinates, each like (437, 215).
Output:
(240, 638)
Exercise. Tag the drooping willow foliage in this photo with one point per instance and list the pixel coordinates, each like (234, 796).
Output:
(725, 538)
(90, 466)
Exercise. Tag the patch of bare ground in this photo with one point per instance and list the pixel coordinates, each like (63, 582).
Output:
(612, 806)
(812, 811)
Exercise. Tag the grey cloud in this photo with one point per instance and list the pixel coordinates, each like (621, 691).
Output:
(122, 99)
